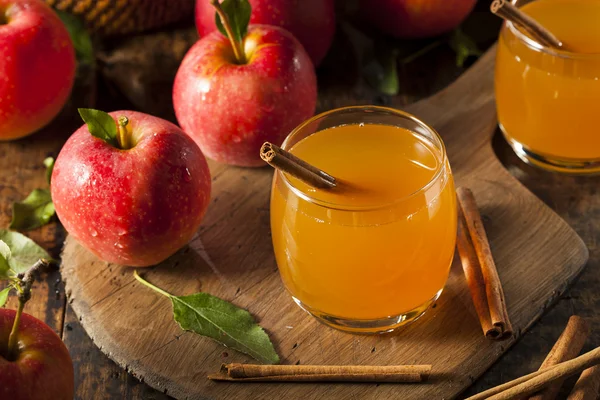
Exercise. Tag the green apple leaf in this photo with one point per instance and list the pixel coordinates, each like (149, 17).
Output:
(5, 271)
(4, 295)
(381, 72)
(49, 164)
(82, 42)
(36, 210)
(100, 125)
(238, 12)
(24, 251)
(222, 321)
(463, 46)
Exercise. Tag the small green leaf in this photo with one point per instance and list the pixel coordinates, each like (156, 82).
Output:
(5, 271)
(24, 251)
(49, 164)
(381, 72)
(100, 125)
(4, 295)
(35, 211)
(238, 12)
(228, 324)
(82, 42)
(463, 46)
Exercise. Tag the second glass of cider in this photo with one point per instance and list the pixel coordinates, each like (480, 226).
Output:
(377, 254)
(548, 99)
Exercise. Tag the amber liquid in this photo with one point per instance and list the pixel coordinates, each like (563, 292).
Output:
(380, 249)
(549, 103)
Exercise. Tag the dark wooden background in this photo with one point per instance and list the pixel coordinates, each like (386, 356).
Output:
(137, 73)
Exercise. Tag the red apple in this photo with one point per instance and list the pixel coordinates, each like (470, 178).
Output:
(42, 369)
(134, 206)
(416, 18)
(231, 109)
(312, 22)
(37, 66)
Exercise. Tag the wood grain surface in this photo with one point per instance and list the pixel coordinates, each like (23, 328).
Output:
(537, 254)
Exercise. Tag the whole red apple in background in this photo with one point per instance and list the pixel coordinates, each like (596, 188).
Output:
(37, 66)
(134, 206)
(231, 109)
(43, 369)
(312, 22)
(416, 18)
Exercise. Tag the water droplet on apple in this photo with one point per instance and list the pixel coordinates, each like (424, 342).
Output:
(93, 232)
(236, 139)
(187, 177)
(121, 231)
(119, 245)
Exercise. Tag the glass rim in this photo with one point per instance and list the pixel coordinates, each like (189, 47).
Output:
(537, 46)
(369, 207)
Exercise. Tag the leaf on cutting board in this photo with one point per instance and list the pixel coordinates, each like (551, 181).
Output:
(82, 42)
(36, 210)
(228, 324)
(5, 271)
(210, 316)
(24, 251)
(100, 125)
(464, 47)
(49, 164)
(238, 12)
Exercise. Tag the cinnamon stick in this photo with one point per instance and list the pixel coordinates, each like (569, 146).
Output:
(587, 386)
(568, 345)
(506, 10)
(287, 162)
(536, 381)
(322, 373)
(480, 269)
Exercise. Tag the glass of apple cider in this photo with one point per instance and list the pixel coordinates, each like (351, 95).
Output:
(377, 254)
(548, 100)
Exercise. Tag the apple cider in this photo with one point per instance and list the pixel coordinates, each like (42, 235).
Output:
(547, 100)
(377, 255)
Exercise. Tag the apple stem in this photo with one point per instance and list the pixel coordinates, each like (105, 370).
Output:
(26, 280)
(123, 135)
(151, 286)
(238, 49)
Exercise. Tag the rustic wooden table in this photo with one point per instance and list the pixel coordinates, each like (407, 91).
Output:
(129, 69)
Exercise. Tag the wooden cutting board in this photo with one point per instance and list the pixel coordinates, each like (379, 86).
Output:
(537, 255)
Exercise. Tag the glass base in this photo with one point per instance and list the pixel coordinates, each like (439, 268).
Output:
(552, 163)
(370, 326)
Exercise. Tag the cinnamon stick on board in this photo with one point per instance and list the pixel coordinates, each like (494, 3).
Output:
(322, 373)
(568, 346)
(587, 386)
(506, 10)
(480, 269)
(536, 381)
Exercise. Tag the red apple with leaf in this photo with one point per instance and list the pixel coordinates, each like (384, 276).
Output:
(312, 22)
(416, 18)
(37, 68)
(242, 86)
(34, 362)
(130, 187)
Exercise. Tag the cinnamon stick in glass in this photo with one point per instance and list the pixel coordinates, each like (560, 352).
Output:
(506, 10)
(480, 270)
(587, 386)
(322, 373)
(287, 162)
(534, 382)
(568, 346)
